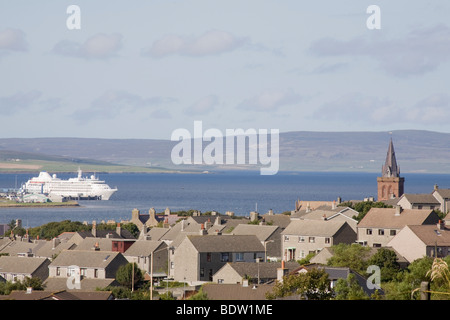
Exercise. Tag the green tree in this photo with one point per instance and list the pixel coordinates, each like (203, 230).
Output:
(125, 275)
(312, 285)
(353, 256)
(387, 261)
(349, 289)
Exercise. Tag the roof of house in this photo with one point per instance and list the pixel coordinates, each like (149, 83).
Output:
(15, 247)
(236, 291)
(431, 235)
(156, 233)
(387, 218)
(59, 295)
(324, 228)
(267, 270)
(444, 193)
(281, 220)
(425, 198)
(84, 258)
(124, 234)
(262, 232)
(320, 213)
(144, 247)
(20, 265)
(103, 244)
(48, 250)
(226, 243)
(86, 284)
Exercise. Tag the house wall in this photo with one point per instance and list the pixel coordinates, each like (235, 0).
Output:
(90, 273)
(407, 244)
(186, 262)
(227, 275)
(379, 237)
(344, 235)
(303, 245)
(42, 272)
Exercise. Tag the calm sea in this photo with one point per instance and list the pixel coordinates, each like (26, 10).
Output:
(241, 192)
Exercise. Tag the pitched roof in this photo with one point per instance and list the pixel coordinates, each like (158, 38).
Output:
(144, 247)
(86, 284)
(325, 228)
(59, 295)
(431, 235)
(444, 193)
(236, 291)
(20, 265)
(420, 198)
(226, 243)
(266, 270)
(386, 218)
(262, 232)
(85, 259)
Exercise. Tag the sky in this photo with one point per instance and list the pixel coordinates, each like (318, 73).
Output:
(142, 69)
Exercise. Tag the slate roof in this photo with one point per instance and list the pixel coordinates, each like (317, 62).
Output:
(226, 243)
(444, 193)
(314, 228)
(59, 295)
(386, 218)
(261, 232)
(144, 247)
(84, 259)
(20, 265)
(424, 198)
(431, 235)
(267, 270)
(236, 291)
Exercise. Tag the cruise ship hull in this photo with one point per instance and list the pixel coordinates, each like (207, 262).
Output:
(79, 188)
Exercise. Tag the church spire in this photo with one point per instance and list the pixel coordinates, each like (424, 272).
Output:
(390, 168)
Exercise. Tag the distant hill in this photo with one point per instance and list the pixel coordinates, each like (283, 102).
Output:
(416, 151)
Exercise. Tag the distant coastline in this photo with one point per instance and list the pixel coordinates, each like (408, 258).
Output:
(11, 204)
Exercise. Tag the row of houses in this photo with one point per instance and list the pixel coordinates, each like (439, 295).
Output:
(220, 249)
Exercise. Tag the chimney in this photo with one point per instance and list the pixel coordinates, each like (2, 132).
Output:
(339, 200)
(281, 272)
(436, 187)
(270, 213)
(202, 229)
(218, 221)
(208, 224)
(333, 206)
(119, 230)
(96, 247)
(94, 229)
(55, 242)
(398, 210)
(324, 217)
(441, 225)
(135, 214)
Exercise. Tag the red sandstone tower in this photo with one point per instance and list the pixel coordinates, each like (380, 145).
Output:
(390, 184)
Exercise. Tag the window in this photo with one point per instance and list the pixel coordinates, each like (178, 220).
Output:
(95, 273)
(202, 272)
(208, 256)
(239, 256)
(419, 207)
(381, 232)
(286, 238)
(301, 239)
(393, 232)
(312, 239)
(219, 281)
(369, 231)
(58, 271)
(327, 240)
(225, 257)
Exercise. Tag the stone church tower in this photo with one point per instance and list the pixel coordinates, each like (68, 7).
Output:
(390, 184)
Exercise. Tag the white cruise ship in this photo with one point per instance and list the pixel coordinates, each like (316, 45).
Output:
(74, 188)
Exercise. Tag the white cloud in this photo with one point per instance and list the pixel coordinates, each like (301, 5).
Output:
(203, 106)
(419, 52)
(210, 43)
(12, 40)
(99, 46)
(114, 102)
(17, 102)
(270, 100)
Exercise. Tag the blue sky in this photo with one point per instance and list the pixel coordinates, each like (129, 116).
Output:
(141, 69)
